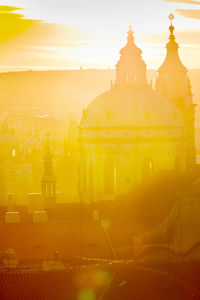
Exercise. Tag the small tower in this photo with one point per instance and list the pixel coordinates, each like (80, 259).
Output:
(130, 69)
(173, 80)
(174, 84)
(48, 180)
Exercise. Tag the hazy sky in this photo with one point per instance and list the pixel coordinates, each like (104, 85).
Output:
(69, 34)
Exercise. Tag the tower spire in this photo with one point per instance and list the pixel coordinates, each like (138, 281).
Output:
(171, 18)
(172, 44)
(172, 60)
(174, 84)
(48, 180)
(48, 149)
(130, 37)
(130, 69)
(48, 159)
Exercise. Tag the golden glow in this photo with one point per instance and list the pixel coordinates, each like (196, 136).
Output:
(98, 167)
(85, 41)
(86, 295)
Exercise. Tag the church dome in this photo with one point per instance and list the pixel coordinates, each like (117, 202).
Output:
(131, 102)
(128, 133)
(130, 107)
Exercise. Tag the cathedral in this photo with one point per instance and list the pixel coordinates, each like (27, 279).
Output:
(133, 130)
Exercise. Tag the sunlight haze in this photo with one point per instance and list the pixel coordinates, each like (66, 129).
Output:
(70, 34)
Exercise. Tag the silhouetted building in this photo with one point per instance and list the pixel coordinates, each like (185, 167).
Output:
(130, 132)
(8, 142)
(179, 232)
(101, 280)
(48, 180)
(173, 82)
(31, 145)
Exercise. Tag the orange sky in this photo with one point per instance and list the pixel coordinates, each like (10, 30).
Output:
(68, 34)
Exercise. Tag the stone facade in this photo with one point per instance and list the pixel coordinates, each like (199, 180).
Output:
(130, 132)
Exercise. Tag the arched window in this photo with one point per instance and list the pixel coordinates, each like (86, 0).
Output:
(109, 175)
(147, 168)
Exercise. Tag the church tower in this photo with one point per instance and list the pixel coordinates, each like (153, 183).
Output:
(174, 84)
(130, 69)
(128, 133)
(48, 180)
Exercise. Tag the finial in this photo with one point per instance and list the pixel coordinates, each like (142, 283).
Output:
(48, 136)
(171, 27)
(130, 30)
(130, 37)
(48, 156)
(171, 18)
(172, 43)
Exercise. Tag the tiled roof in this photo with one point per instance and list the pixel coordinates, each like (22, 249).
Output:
(111, 281)
(187, 272)
(131, 282)
(52, 285)
(39, 241)
(32, 140)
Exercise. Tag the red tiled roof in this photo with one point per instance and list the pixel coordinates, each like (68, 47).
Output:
(131, 282)
(125, 281)
(38, 241)
(51, 285)
(187, 272)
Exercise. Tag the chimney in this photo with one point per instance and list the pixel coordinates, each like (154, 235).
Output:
(40, 216)
(12, 217)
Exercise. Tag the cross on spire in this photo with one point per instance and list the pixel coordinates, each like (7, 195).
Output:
(48, 136)
(171, 17)
(130, 37)
(130, 27)
(131, 69)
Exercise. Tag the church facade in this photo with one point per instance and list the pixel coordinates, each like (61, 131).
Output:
(132, 130)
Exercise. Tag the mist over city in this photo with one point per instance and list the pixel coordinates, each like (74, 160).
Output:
(99, 150)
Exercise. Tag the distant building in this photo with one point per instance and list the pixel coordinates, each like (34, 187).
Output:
(179, 232)
(8, 143)
(48, 180)
(173, 83)
(106, 280)
(131, 131)
(8, 156)
(31, 145)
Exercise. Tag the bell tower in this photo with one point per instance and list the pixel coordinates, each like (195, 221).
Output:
(173, 82)
(48, 180)
(130, 69)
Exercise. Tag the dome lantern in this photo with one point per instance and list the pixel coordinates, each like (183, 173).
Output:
(130, 69)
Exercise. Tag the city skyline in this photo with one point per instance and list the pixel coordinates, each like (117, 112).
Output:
(99, 150)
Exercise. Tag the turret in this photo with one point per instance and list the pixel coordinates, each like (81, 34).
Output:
(130, 69)
(48, 180)
(174, 84)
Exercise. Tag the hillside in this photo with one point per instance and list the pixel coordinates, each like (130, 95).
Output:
(50, 89)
